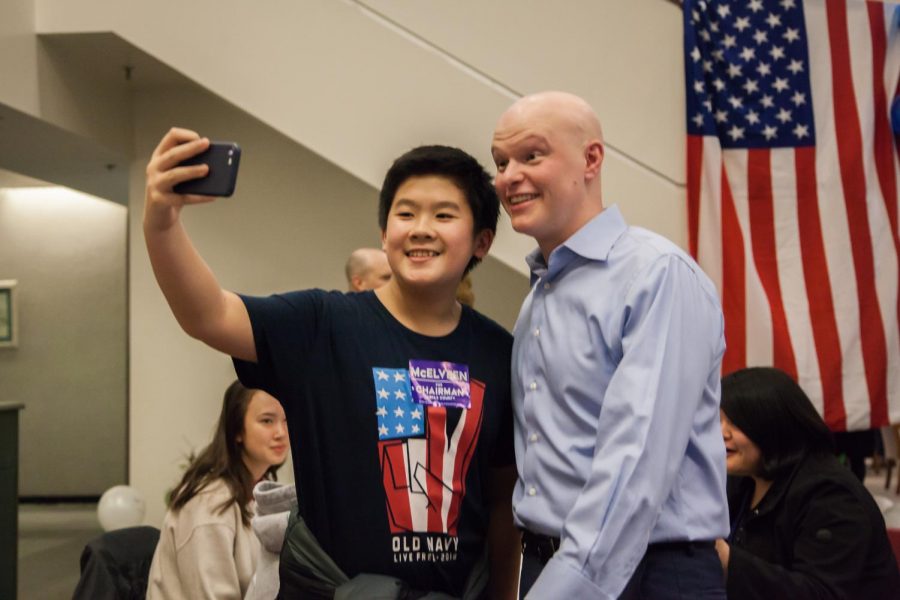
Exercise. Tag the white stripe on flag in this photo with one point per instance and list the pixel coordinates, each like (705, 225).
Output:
(790, 273)
(759, 340)
(709, 249)
(416, 459)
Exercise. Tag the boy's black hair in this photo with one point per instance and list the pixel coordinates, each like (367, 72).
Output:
(454, 164)
(775, 413)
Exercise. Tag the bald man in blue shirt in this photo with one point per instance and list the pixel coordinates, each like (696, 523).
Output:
(616, 367)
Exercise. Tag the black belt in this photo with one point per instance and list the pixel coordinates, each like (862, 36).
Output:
(543, 547)
(687, 547)
(539, 546)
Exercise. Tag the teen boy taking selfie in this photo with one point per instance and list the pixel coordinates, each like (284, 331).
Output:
(397, 399)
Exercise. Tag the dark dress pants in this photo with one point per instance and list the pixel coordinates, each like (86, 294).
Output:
(674, 571)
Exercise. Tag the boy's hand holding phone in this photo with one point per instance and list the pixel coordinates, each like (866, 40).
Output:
(187, 169)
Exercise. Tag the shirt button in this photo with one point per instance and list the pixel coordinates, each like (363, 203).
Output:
(537, 331)
(546, 286)
(532, 491)
(532, 386)
(533, 437)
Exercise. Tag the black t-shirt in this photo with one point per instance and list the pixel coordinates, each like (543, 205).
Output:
(387, 485)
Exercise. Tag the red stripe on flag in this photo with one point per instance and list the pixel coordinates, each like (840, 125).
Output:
(897, 135)
(734, 294)
(818, 291)
(762, 240)
(853, 180)
(694, 172)
(884, 149)
(465, 449)
(396, 485)
(437, 442)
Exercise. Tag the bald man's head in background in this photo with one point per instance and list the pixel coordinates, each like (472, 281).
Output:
(367, 269)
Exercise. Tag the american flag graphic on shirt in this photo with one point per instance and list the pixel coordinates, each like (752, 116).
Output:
(424, 456)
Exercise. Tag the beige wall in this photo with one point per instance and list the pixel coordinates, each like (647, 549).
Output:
(18, 56)
(633, 80)
(67, 251)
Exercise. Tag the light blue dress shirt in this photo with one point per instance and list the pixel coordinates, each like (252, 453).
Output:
(616, 363)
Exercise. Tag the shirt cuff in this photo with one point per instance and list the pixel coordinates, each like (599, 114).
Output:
(560, 580)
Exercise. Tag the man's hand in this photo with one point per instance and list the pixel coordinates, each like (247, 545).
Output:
(162, 206)
(724, 551)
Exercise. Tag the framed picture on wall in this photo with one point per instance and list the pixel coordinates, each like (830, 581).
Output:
(9, 326)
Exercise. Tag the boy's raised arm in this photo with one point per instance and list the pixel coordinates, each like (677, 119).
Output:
(204, 310)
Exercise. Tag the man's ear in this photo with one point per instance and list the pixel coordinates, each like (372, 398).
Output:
(483, 241)
(384, 240)
(356, 283)
(593, 158)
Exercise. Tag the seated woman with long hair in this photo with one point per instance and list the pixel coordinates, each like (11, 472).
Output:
(207, 548)
(802, 525)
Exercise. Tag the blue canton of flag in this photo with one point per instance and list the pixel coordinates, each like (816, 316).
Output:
(748, 74)
(398, 415)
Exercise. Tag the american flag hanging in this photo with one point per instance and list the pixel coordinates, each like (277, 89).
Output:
(793, 199)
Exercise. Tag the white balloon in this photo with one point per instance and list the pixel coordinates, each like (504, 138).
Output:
(120, 506)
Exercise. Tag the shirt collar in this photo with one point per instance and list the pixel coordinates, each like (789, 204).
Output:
(593, 241)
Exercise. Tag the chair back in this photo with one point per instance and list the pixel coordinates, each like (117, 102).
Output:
(116, 565)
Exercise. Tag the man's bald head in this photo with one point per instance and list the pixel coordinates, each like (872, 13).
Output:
(367, 269)
(567, 112)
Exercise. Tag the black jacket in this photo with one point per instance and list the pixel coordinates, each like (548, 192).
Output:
(115, 565)
(817, 533)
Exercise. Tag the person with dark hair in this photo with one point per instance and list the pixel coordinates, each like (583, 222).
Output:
(206, 547)
(802, 526)
(398, 399)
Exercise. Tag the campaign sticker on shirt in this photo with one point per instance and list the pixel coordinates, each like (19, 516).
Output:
(436, 383)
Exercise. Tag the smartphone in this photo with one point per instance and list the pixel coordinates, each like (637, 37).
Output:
(223, 159)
